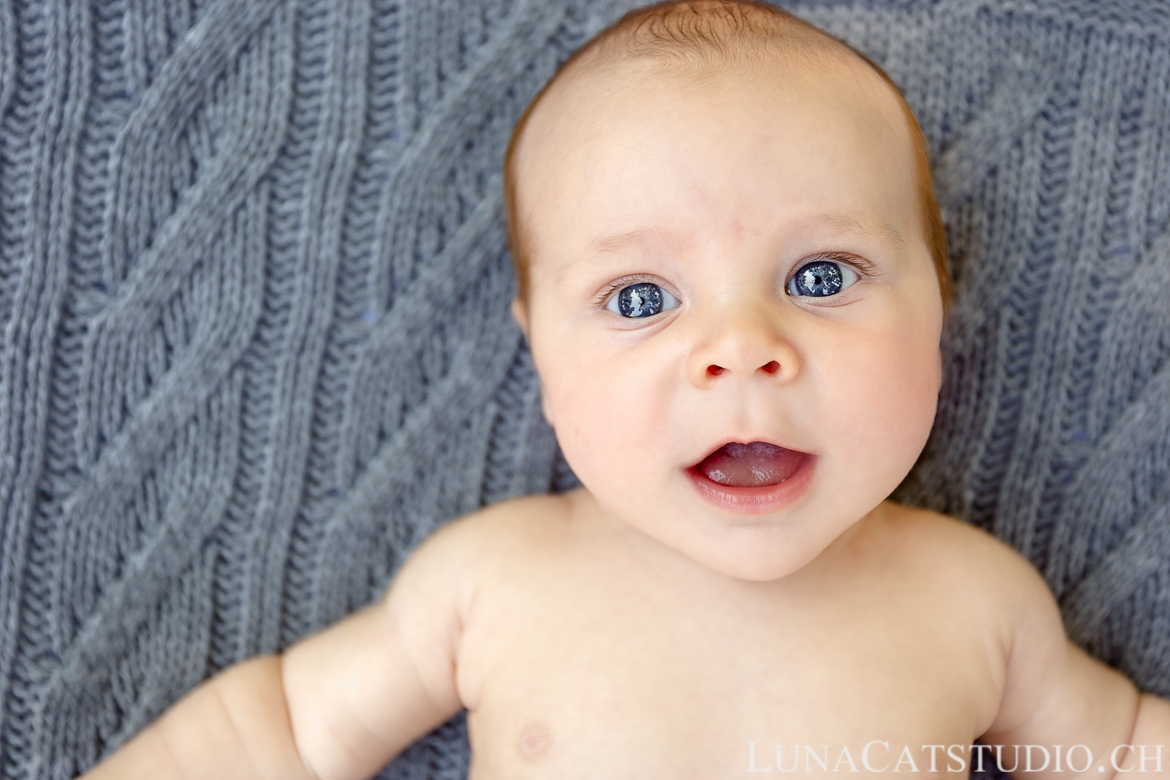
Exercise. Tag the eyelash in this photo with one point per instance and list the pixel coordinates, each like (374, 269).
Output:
(625, 281)
(859, 264)
(863, 267)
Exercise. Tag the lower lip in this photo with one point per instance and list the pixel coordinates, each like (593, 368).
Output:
(755, 500)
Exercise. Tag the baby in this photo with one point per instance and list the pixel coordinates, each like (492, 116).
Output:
(732, 278)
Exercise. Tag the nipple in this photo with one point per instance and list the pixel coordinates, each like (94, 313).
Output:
(534, 740)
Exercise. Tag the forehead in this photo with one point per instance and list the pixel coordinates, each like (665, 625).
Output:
(621, 146)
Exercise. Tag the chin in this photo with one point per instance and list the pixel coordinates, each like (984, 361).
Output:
(759, 564)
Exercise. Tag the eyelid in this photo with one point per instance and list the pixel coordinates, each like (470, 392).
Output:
(865, 268)
(857, 263)
(607, 292)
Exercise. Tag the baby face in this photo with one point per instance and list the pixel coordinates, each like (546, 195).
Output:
(732, 308)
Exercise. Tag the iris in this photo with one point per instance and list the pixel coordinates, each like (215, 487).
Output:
(640, 300)
(819, 279)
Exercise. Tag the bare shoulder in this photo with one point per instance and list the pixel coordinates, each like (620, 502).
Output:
(434, 597)
(970, 568)
(997, 591)
(465, 551)
(448, 594)
(969, 555)
(481, 538)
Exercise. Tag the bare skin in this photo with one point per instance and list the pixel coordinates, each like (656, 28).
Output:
(639, 628)
(915, 630)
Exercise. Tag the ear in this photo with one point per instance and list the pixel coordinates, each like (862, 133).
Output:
(520, 314)
(544, 407)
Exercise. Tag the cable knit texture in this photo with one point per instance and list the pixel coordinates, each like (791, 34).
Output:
(256, 346)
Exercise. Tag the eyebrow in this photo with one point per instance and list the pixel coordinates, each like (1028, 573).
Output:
(850, 223)
(853, 223)
(619, 241)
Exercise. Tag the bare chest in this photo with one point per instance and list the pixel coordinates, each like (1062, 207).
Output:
(605, 679)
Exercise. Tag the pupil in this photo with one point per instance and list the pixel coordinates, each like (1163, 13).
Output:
(819, 280)
(640, 300)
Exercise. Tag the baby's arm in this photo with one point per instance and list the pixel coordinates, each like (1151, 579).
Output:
(1056, 694)
(338, 704)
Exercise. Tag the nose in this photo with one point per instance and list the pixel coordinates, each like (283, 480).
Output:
(744, 342)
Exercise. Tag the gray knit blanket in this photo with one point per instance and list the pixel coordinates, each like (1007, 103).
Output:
(256, 346)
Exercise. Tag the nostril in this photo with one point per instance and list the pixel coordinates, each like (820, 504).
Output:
(770, 367)
(714, 370)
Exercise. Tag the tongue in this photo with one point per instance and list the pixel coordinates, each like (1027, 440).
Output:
(757, 464)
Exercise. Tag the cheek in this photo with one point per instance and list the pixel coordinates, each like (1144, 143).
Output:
(889, 401)
(608, 417)
(900, 371)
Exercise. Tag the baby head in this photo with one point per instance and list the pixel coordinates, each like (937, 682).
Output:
(732, 279)
(711, 37)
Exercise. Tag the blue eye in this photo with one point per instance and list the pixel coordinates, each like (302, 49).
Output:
(640, 300)
(820, 279)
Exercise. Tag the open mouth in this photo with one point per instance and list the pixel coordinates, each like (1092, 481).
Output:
(752, 478)
(757, 464)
